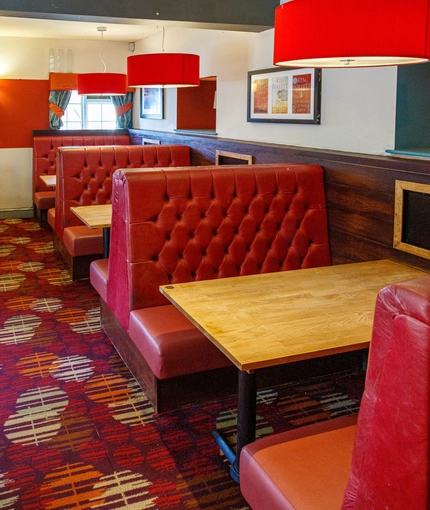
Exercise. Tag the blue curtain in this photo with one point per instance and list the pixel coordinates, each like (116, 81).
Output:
(58, 101)
(124, 110)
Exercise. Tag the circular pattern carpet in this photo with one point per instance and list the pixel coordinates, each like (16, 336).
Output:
(77, 432)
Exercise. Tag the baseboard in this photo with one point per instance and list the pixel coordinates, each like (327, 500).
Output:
(16, 213)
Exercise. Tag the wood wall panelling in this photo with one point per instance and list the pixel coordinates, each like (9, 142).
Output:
(359, 190)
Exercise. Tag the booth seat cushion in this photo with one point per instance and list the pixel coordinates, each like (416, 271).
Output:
(82, 240)
(44, 200)
(170, 344)
(99, 276)
(290, 464)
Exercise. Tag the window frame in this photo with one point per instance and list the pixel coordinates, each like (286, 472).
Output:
(85, 101)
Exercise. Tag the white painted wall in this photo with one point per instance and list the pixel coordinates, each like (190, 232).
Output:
(358, 105)
(28, 59)
(23, 58)
(16, 179)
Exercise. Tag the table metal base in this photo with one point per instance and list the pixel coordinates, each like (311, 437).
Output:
(106, 242)
(246, 422)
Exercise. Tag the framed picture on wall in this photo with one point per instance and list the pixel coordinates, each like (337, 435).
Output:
(285, 95)
(151, 103)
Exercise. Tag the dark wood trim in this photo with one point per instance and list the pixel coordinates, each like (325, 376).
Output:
(79, 132)
(276, 153)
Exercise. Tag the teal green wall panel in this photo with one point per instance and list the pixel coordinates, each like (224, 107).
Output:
(413, 107)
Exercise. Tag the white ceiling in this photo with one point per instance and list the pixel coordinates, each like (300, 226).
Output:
(58, 29)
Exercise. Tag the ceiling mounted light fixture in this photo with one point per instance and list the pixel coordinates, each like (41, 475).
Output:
(163, 69)
(351, 33)
(102, 84)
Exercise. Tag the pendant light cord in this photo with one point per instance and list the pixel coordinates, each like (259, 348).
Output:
(102, 29)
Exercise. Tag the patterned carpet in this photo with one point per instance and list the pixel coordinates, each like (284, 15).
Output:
(76, 431)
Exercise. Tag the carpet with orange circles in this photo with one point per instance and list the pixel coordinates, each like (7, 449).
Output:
(77, 432)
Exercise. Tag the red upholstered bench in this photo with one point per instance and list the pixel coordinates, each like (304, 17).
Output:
(383, 461)
(84, 177)
(179, 225)
(44, 163)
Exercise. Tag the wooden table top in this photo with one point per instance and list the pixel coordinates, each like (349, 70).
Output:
(49, 180)
(94, 216)
(274, 318)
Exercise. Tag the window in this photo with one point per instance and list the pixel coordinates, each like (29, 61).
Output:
(89, 112)
(72, 118)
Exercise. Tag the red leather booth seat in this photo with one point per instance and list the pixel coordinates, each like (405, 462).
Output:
(180, 225)
(84, 177)
(383, 461)
(44, 163)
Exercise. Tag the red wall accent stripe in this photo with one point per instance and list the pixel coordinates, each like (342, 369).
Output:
(23, 107)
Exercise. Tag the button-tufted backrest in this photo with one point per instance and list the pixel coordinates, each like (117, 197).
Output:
(172, 226)
(84, 174)
(45, 150)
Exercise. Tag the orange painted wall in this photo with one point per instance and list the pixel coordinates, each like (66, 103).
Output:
(23, 107)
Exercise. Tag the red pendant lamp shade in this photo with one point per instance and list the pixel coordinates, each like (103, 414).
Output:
(102, 84)
(354, 33)
(163, 70)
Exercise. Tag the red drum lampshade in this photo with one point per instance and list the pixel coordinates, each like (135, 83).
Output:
(351, 33)
(163, 70)
(102, 84)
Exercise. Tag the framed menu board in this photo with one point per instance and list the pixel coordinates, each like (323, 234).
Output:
(287, 95)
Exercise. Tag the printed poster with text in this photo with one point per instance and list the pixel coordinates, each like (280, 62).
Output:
(302, 94)
(261, 95)
(280, 95)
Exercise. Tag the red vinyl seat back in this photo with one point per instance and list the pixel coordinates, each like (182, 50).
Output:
(174, 226)
(390, 465)
(84, 174)
(45, 150)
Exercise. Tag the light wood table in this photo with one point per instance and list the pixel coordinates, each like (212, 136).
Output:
(97, 216)
(49, 180)
(276, 318)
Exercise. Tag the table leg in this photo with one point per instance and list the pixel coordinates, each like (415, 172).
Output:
(246, 422)
(106, 242)
(246, 416)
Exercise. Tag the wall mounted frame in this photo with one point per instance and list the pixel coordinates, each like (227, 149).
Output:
(285, 95)
(232, 158)
(411, 216)
(151, 103)
(150, 141)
